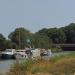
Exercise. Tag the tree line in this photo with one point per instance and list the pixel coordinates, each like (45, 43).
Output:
(44, 38)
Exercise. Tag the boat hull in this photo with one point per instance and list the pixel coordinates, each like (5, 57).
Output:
(7, 56)
(20, 56)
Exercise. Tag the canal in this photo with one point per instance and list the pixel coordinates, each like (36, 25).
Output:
(5, 65)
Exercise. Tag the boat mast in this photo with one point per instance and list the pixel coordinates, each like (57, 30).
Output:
(19, 41)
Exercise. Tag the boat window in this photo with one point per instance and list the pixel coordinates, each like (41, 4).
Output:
(8, 51)
(21, 51)
(17, 51)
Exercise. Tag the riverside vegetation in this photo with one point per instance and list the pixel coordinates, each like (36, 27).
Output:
(44, 38)
(59, 65)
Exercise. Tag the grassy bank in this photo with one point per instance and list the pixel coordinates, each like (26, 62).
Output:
(58, 65)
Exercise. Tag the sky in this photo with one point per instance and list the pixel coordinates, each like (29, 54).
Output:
(35, 14)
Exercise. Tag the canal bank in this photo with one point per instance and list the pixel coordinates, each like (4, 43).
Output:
(6, 64)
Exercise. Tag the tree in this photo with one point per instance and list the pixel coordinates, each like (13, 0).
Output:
(57, 35)
(2, 42)
(10, 44)
(42, 31)
(19, 37)
(40, 41)
(70, 32)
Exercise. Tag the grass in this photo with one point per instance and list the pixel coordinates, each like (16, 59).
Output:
(30, 66)
(58, 65)
(64, 66)
(41, 66)
(58, 57)
(21, 68)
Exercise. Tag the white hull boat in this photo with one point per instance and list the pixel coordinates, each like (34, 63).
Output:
(8, 54)
(21, 54)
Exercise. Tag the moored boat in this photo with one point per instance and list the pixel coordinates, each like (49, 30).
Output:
(8, 54)
(21, 54)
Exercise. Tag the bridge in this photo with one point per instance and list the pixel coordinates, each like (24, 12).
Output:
(66, 46)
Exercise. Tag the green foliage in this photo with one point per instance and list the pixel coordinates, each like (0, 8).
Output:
(57, 35)
(43, 31)
(44, 38)
(61, 56)
(2, 42)
(10, 44)
(70, 32)
(40, 41)
(19, 37)
(57, 57)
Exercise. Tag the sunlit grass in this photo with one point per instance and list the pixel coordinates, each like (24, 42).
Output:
(64, 66)
(41, 66)
(58, 65)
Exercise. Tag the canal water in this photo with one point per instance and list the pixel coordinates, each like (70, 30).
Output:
(5, 65)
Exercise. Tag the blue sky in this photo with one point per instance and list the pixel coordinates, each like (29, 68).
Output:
(35, 14)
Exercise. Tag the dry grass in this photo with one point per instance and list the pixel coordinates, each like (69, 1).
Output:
(63, 66)
(41, 66)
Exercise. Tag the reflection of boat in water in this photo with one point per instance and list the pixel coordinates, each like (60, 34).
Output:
(21, 54)
(8, 54)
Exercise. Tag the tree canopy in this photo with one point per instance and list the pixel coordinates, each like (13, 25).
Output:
(19, 37)
(44, 38)
(2, 42)
(70, 32)
(56, 34)
(40, 41)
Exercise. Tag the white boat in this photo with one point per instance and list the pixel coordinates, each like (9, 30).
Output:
(35, 53)
(21, 54)
(8, 54)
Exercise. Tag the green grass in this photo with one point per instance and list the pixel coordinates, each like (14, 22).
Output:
(64, 66)
(57, 65)
(58, 57)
